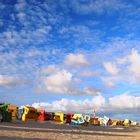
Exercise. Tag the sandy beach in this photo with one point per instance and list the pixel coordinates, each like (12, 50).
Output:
(53, 131)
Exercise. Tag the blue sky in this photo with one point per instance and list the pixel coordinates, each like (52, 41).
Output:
(71, 55)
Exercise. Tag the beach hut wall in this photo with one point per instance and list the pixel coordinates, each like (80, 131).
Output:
(120, 122)
(87, 118)
(6, 116)
(68, 117)
(126, 122)
(73, 122)
(104, 121)
(20, 113)
(81, 120)
(114, 122)
(59, 117)
(76, 116)
(13, 110)
(94, 121)
(133, 123)
(41, 115)
(48, 116)
(110, 122)
(4, 106)
(30, 114)
(52, 115)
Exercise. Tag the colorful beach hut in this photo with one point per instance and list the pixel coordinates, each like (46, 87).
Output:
(30, 114)
(13, 109)
(41, 115)
(5, 115)
(68, 117)
(59, 117)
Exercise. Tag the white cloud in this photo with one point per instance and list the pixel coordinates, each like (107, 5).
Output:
(89, 73)
(10, 80)
(111, 81)
(55, 80)
(117, 103)
(111, 68)
(67, 105)
(91, 91)
(124, 69)
(124, 101)
(75, 60)
(134, 60)
(59, 82)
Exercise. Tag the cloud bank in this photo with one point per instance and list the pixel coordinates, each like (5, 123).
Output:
(124, 103)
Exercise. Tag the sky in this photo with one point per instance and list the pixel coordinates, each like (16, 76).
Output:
(71, 55)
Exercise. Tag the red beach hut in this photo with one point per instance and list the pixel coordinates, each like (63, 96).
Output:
(41, 116)
(68, 117)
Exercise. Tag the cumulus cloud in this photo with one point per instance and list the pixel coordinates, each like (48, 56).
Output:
(125, 69)
(119, 103)
(66, 105)
(61, 81)
(124, 101)
(75, 60)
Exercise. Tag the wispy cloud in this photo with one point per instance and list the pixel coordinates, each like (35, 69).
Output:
(11, 81)
(97, 6)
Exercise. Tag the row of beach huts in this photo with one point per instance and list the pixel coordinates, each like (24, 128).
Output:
(9, 113)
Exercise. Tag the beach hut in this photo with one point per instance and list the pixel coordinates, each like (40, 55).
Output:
(52, 115)
(133, 123)
(103, 121)
(94, 121)
(5, 115)
(126, 122)
(59, 117)
(20, 112)
(0, 117)
(41, 115)
(110, 122)
(75, 118)
(87, 118)
(81, 120)
(114, 122)
(68, 117)
(13, 109)
(120, 122)
(30, 114)
(48, 116)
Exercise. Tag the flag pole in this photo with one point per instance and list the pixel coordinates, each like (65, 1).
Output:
(94, 112)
